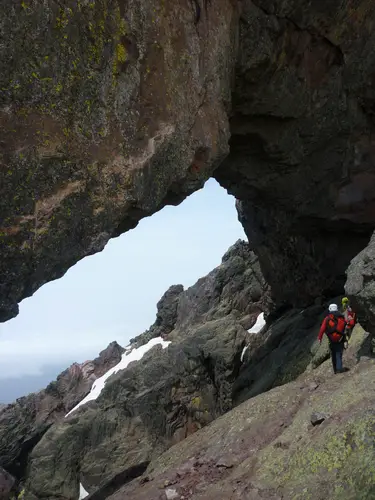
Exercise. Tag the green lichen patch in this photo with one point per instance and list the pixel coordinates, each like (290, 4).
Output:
(79, 61)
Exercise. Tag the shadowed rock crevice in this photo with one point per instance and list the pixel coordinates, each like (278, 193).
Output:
(18, 465)
(118, 481)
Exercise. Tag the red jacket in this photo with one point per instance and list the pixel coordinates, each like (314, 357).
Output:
(340, 326)
(349, 316)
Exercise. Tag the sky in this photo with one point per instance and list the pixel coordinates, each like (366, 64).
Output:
(112, 295)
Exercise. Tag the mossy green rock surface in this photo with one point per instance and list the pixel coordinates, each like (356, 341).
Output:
(268, 448)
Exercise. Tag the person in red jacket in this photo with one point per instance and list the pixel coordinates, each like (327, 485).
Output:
(334, 326)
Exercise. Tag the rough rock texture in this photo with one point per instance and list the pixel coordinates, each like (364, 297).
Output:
(160, 401)
(93, 137)
(301, 150)
(360, 284)
(110, 109)
(236, 287)
(23, 423)
(267, 448)
(166, 316)
(166, 396)
(286, 349)
(6, 484)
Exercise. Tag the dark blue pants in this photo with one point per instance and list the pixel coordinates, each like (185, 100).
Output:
(336, 355)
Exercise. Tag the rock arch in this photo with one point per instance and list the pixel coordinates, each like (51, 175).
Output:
(121, 107)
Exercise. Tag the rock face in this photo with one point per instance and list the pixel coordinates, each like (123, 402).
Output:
(166, 316)
(301, 151)
(116, 446)
(237, 287)
(360, 285)
(23, 423)
(94, 137)
(283, 352)
(6, 484)
(268, 448)
(166, 396)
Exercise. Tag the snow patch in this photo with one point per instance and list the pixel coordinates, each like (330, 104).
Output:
(82, 492)
(128, 356)
(259, 324)
(243, 352)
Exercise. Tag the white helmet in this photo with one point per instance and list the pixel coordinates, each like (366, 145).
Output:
(333, 308)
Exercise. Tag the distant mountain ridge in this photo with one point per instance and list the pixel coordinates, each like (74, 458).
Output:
(17, 387)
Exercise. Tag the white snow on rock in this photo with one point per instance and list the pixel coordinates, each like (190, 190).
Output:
(243, 352)
(259, 324)
(128, 356)
(82, 492)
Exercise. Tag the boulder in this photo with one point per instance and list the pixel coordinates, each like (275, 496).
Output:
(317, 418)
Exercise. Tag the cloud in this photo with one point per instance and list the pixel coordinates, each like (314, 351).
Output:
(20, 357)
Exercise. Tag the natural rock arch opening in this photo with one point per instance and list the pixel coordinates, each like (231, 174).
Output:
(96, 139)
(113, 294)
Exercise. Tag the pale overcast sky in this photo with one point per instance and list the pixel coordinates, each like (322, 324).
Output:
(112, 295)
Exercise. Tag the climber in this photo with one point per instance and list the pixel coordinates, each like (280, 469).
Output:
(333, 326)
(350, 317)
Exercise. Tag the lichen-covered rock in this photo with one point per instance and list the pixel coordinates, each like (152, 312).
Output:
(111, 110)
(144, 409)
(273, 451)
(108, 111)
(171, 394)
(236, 287)
(166, 396)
